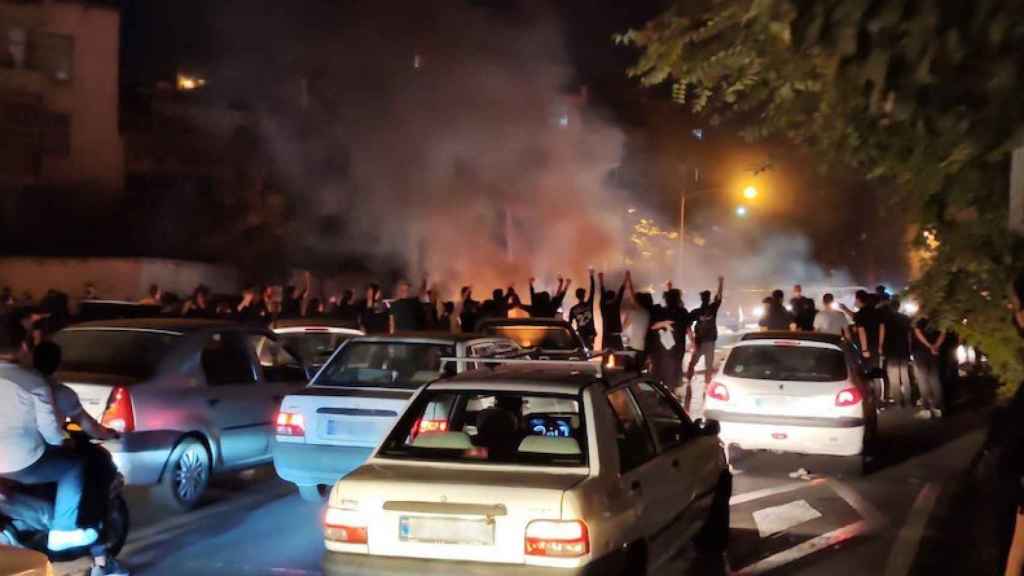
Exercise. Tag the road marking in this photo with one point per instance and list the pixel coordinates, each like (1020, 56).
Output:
(776, 519)
(809, 547)
(759, 494)
(875, 519)
(908, 541)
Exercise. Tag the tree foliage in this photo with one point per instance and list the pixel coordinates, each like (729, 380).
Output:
(921, 96)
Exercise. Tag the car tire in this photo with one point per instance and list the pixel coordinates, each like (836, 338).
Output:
(312, 493)
(713, 537)
(185, 477)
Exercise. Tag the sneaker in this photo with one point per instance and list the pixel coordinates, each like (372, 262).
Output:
(60, 540)
(923, 415)
(111, 568)
(936, 413)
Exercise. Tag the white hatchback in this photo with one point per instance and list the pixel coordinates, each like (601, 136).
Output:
(794, 392)
(533, 470)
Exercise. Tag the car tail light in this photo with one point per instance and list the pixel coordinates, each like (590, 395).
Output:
(340, 526)
(557, 539)
(290, 424)
(719, 392)
(849, 397)
(119, 414)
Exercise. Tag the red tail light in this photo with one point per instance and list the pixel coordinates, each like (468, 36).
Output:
(422, 426)
(290, 424)
(849, 397)
(719, 392)
(119, 414)
(557, 539)
(338, 526)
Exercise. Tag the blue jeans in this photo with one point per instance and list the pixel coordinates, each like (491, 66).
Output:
(65, 468)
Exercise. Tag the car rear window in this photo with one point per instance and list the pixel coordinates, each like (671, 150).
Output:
(491, 427)
(787, 363)
(545, 337)
(384, 365)
(133, 353)
(313, 348)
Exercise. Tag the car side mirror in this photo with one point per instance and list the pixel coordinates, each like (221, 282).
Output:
(708, 427)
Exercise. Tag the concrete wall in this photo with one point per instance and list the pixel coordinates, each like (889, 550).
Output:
(115, 278)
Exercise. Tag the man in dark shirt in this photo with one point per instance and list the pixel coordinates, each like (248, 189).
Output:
(611, 319)
(868, 326)
(497, 306)
(374, 317)
(674, 319)
(407, 312)
(705, 332)
(543, 304)
(346, 309)
(895, 335)
(292, 299)
(803, 309)
(582, 314)
(776, 317)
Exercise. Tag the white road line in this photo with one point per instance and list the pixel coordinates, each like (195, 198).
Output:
(809, 547)
(904, 550)
(867, 511)
(758, 494)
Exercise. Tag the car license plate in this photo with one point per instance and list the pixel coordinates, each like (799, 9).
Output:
(769, 403)
(338, 427)
(439, 530)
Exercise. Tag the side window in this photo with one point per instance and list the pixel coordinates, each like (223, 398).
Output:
(277, 364)
(226, 360)
(668, 424)
(635, 444)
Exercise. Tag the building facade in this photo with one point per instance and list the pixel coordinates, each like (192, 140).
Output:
(59, 94)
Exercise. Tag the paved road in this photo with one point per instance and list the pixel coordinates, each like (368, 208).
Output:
(891, 523)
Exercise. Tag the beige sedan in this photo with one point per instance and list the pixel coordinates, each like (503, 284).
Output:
(18, 562)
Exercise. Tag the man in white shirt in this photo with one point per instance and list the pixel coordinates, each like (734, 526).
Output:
(31, 450)
(829, 320)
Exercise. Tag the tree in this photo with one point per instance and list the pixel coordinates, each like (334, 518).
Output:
(921, 96)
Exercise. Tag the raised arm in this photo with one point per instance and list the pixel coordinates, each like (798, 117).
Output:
(533, 294)
(600, 284)
(628, 286)
(590, 298)
(721, 288)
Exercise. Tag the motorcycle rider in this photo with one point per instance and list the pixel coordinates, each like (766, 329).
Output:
(33, 449)
(99, 470)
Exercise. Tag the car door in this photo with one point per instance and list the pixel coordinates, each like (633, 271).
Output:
(280, 374)
(232, 391)
(688, 461)
(639, 479)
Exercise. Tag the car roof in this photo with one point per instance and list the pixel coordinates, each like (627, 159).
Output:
(524, 322)
(318, 322)
(550, 377)
(802, 336)
(424, 337)
(177, 325)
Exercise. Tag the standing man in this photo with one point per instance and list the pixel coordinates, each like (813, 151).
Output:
(469, 311)
(927, 344)
(831, 321)
(670, 325)
(611, 310)
(868, 326)
(582, 314)
(896, 351)
(374, 317)
(406, 310)
(705, 334)
(636, 320)
(803, 309)
(291, 301)
(32, 449)
(776, 317)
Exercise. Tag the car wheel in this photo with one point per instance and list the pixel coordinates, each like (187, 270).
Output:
(713, 537)
(185, 477)
(312, 494)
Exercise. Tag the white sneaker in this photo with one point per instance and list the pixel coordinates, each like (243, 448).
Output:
(936, 413)
(60, 540)
(923, 415)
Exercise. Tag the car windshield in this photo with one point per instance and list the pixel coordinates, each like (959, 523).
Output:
(313, 348)
(487, 427)
(385, 365)
(133, 353)
(545, 337)
(788, 363)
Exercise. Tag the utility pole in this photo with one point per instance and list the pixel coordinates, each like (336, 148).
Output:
(1017, 191)
(680, 258)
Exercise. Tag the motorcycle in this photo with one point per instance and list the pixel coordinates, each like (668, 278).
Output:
(26, 512)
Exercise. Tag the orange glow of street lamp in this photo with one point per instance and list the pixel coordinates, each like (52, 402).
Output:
(750, 192)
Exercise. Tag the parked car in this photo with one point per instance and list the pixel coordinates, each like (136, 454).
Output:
(314, 340)
(795, 392)
(331, 427)
(554, 339)
(553, 469)
(20, 562)
(190, 397)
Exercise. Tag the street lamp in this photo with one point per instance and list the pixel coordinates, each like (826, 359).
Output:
(750, 193)
(741, 211)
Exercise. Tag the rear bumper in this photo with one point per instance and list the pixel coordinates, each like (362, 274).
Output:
(141, 456)
(338, 564)
(824, 436)
(316, 464)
